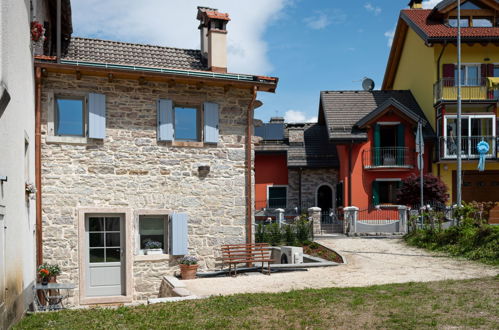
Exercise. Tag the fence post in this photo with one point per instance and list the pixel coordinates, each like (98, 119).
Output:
(280, 216)
(403, 218)
(351, 214)
(314, 214)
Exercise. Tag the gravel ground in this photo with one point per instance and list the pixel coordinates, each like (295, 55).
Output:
(369, 261)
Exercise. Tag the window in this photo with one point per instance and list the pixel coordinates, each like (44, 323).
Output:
(104, 237)
(470, 75)
(153, 229)
(70, 117)
(464, 21)
(276, 197)
(483, 21)
(474, 128)
(186, 124)
(385, 191)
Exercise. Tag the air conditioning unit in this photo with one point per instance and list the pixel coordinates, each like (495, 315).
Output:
(291, 255)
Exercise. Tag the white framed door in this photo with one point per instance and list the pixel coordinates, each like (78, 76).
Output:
(104, 244)
(474, 128)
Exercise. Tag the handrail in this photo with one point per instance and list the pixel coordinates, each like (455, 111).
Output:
(388, 157)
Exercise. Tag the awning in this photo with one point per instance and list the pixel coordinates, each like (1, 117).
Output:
(493, 82)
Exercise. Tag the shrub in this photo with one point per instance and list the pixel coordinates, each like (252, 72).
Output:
(296, 234)
(289, 235)
(275, 235)
(472, 238)
(434, 190)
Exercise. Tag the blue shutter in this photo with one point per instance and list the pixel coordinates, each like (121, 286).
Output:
(96, 116)
(165, 120)
(211, 122)
(178, 234)
(377, 145)
(401, 145)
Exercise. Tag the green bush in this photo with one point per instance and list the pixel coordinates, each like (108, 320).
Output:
(296, 234)
(472, 238)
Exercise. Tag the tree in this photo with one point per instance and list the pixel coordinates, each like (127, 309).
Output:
(434, 190)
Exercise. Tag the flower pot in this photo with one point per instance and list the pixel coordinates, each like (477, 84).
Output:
(53, 279)
(45, 280)
(153, 251)
(188, 272)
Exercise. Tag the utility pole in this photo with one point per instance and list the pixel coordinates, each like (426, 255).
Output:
(459, 104)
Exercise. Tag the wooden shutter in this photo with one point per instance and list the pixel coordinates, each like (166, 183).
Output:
(375, 193)
(179, 241)
(400, 144)
(448, 74)
(377, 145)
(165, 120)
(211, 118)
(96, 116)
(489, 72)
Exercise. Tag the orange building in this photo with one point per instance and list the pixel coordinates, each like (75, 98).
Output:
(374, 133)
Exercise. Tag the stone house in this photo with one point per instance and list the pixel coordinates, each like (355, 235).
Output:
(143, 143)
(295, 168)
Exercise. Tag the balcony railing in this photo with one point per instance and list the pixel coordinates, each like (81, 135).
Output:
(389, 158)
(448, 147)
(471, 89)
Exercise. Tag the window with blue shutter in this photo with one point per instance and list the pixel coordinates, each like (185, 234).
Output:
(211, 119)
(178, 234)
(165, 120)
(96, 116)
(377, 145)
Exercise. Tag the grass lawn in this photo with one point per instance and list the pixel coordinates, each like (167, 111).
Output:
(443, 304)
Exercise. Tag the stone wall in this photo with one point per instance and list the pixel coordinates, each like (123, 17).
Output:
(130, 169)
(311, 180)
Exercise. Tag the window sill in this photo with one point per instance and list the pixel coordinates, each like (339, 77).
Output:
(189, 144)
(66, 139)
(152, 257)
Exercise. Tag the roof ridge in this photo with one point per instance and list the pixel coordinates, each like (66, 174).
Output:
(134, 44)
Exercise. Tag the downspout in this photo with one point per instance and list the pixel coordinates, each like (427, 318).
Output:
(249, 170)
(38, 163)
(350, 174)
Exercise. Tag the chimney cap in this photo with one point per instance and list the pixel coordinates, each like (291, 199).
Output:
(211, 13)
(415, 3)
(276, 120)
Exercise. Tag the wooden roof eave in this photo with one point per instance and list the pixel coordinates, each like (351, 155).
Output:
(395, 54)
(153, 76)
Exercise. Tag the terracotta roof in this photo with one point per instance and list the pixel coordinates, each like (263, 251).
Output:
(115, 52)
(217, 15)
(342, 110)
(418, 19)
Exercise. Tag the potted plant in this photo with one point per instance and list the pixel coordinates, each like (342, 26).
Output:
(153, 247)
(55, 271)
(44, 274)
(188, 267)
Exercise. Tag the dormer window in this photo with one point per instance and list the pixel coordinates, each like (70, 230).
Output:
(472, 21)
(465, 21)
(483, 21)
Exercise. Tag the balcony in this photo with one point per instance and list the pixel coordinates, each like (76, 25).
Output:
(388, 158)
(448, 147)
(472, 90)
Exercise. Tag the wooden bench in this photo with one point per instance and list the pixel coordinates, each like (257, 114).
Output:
(234, 254)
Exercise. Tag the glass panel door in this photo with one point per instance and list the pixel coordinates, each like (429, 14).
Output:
(450, 137)
(496, 74)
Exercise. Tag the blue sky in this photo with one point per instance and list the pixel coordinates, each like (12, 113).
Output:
(311, 45)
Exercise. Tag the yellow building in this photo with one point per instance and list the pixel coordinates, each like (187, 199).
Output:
(423, 59)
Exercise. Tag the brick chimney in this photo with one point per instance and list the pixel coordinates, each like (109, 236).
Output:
(213, 29)
(296, 135)
(416, 4)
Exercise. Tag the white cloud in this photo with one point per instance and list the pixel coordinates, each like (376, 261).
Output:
(318, 22)
(173, 23)
(430, 4)
(373, 9)
(390, 34)
(294, 116)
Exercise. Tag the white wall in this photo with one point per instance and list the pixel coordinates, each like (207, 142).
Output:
(16, 126)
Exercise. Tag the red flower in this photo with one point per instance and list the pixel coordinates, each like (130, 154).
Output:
(37, 31)
(44, 272)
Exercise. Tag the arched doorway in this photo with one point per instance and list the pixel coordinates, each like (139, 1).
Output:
(325, 198)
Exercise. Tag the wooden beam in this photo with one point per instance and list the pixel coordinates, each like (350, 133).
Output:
(78, 75)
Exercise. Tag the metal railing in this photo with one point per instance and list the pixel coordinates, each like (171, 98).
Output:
(291, 207)
(388, 157)
(379, 215)
(472, 89)
(448, 147)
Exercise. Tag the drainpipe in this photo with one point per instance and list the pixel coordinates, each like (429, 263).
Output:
(249, 171)
(350, 174)
(38, 163)
(58, 31)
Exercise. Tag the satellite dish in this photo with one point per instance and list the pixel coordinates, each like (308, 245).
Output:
(368, 84)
